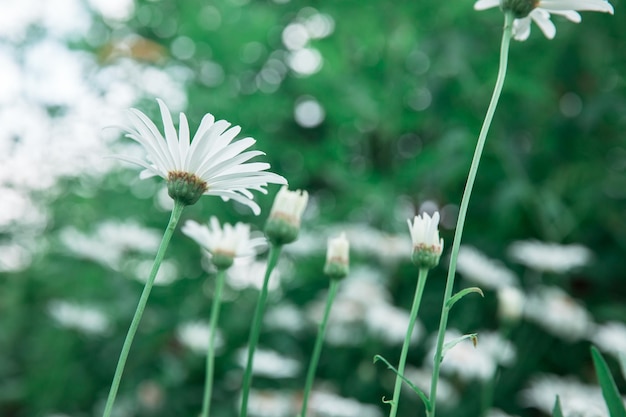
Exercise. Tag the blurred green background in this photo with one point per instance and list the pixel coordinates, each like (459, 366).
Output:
(374, 108)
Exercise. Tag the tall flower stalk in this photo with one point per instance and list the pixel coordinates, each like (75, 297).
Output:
(337, 265)
(210, 354)
(504, 50)
(282, 227)
(141, 306)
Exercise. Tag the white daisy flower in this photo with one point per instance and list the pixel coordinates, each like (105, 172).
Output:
(558, 313)
(224, 243)
(539, 11)
(549, 257)
(577, 399)
(327, 404)
(209, 164)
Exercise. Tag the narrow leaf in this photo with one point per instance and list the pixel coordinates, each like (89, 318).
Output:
(449, 345)
(418, 391)
(609, 389)
(456, 297)
(556, 411)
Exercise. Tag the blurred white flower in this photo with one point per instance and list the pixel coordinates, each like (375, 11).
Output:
(488, 273)
(270, 363)
(471, 362)
(286, 317)
(248, 272)
(549, 257)
(610, 337)
(510, 303)
(389, 324)
(140, 270)
(539, 12)
(271, 403)
(195, 336)
(496, 412)
(358, 293)
(224, 243)
(209, 164)
(558, 313)
(111, 242)
(326, 404)
(85, 319)
(577, 399)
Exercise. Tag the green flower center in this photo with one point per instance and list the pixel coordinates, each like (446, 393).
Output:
(185, 187)
(520, 8)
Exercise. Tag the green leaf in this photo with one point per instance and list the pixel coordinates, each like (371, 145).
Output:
(622, 363)
(556, 411)
(418, 391)
(609, 389)
(449, 345)
(456, 297)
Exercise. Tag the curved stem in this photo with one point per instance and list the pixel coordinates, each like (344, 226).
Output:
(319, 342)
(504, 49)
(255, 330)
(143, 300)
(419, 290)
(210, 355)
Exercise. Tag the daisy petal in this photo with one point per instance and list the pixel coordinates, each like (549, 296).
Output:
(589, 5)
(542, 19)
(486, 4)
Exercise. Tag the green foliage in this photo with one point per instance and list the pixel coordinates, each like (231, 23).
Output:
(610, 393)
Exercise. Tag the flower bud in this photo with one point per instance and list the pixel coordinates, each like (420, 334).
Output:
(427, 246)
(283, 223)
(510, 304)
(337, 257)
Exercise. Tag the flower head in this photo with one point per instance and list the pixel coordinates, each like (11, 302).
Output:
(337, 257)
(210, 164)
(224, 244)
(539, 11)
(283, 223)
(427, 246)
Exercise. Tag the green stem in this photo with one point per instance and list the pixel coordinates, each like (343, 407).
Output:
(143, 300)
(256, 329)
(210, 355)
(419, 290)
(504, 49)
(319, 342)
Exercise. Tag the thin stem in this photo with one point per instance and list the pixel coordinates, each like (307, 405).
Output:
(504, 49)
(319, 342)
(256, 329)
(210, 355)
(419, 290)
(143, 300)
